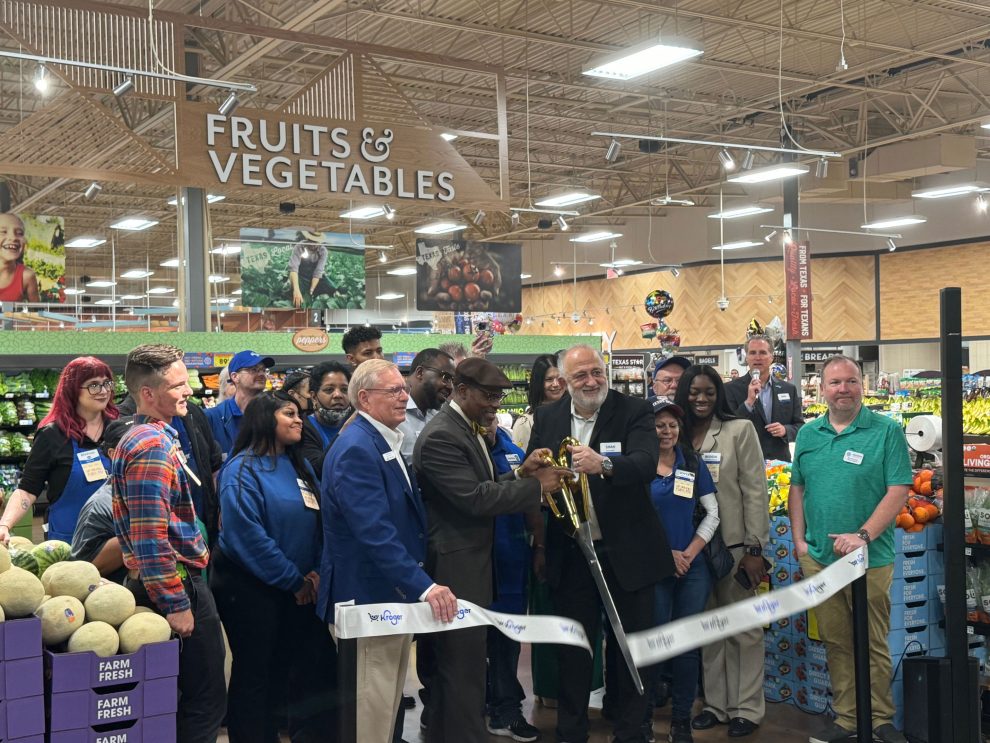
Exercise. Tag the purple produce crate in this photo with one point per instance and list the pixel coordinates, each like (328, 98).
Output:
(158, 729)
(22, 718)
(29, 739)
(78, 671)
(21, 678)
(78, 709)
(20, 638)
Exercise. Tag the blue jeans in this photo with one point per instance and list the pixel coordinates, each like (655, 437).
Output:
(677, 598)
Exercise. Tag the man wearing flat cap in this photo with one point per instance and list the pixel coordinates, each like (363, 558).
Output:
(462, 496)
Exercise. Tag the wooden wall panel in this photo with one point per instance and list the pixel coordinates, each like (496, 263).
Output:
(844, 306)
(910, 282)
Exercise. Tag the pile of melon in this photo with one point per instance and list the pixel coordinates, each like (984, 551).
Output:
(79, 610)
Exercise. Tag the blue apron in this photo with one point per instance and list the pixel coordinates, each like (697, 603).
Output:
(64, 512)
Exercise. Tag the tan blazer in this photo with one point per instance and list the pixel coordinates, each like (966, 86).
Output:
(743, 500)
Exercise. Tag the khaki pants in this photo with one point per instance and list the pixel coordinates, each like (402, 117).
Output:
(381, 674)
(733, 667)
(836, 630)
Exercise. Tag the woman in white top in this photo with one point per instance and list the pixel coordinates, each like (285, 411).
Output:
(545, 386)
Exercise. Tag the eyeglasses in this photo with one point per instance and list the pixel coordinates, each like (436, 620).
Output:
(256, 369)
(444, 376)
(495, 397)
(392, 392)
(97, 387)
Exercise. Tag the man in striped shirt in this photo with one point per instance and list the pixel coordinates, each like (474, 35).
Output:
(163, 550)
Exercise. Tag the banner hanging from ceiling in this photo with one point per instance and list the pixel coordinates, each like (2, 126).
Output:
(302, 269)
(32, 258)
(466, 276)
(797, 287)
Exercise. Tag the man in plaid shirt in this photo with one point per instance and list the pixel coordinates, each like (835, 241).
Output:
(163, 550)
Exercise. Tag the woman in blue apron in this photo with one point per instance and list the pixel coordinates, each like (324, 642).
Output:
(65, 458)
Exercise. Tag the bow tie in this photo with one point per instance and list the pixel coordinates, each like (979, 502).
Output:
(478, 430)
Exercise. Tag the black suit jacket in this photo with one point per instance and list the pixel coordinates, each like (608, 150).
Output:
(786, 411)
(633, 539)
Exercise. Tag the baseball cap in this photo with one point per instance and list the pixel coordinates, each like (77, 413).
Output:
(247, 359)
(679, 360)
(662, 403)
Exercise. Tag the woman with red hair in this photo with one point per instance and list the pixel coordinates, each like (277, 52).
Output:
(65, 455)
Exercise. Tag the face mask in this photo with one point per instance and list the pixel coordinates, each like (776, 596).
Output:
(333, 417)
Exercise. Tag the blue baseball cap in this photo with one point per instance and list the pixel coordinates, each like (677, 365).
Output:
(678, 360)
(247, 359)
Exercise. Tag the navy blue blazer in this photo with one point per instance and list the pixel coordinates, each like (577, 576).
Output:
(374, 524)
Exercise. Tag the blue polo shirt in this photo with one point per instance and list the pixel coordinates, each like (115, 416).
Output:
(225, 422)
(511, 540)
(676, 512)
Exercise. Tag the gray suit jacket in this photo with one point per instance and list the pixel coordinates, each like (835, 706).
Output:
(462, 501)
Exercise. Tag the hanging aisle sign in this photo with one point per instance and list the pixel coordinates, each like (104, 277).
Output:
(797, 287)
(359, 161)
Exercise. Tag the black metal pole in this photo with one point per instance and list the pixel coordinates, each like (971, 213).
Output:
(346, 688)
(952, 516)
(861, 661)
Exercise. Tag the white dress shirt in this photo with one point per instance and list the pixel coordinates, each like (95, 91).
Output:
(394, 440)
(581, 429)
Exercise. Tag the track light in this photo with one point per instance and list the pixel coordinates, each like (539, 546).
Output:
(726, 159)
(747, 161)
(767, 238)
(381, 256)
(388, 211)
(562, 223)
(558, 271)
(891, 245)
(821, 169)
(514, 219)
(228, 106)
(675, 272)
(479, 218)
(92, 189)
(124, 87)
(612, 153)
(41, 82)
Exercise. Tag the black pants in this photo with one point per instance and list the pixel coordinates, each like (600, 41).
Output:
(505, 693)
(281, 653)
(202, 696)
(577, 598)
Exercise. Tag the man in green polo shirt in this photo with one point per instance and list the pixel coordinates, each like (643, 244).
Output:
(849, 480)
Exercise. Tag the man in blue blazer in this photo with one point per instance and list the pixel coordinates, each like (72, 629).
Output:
(374, 538)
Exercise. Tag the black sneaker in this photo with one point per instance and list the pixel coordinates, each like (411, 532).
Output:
(833, 733)
(648, 735)
(680, 732)
(517, 730)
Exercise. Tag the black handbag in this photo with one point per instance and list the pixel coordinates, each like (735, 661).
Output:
(717, 555)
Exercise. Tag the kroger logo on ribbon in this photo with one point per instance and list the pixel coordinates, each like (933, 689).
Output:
(857, 559)
(715, 624)
(386, 616)
(462, 612)
(813, 587)
(767, 606)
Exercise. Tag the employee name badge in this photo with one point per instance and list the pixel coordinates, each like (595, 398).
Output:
(684, 483)
(512, 458)
(611, 447)
(309, 499)
(853, 457)
(388, 456)
(712, 460)
(784, 396)
(92, 465)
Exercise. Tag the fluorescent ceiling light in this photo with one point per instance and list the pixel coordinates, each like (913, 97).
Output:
(170, 263)
(771, 173)
(222, 300)
(404, 271)
(107, 301)
(525, 276)
(237, 292)
(448, 136)
(85, 242)
(364, 212)
(740, 211)
(883, 224)
(566, 199)
(985, 125)
(646, 57)
(390, 295)
(132, 296)
(227, 250)
(670, 201)
(72, 291)
(101, 284)
(136, 273)
(621, 263)
(160, 290)
(593, 237)
(438, 228)
(738, 245)
(211, 198)
(215, 279)
(944, 192)
(134, 224)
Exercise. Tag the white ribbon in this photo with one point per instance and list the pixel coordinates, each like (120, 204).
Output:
(668, 640)
(377, 620)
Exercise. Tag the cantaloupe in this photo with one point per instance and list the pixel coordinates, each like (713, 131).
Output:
(143, 610)
(60, 617)
(4, 559)
(110, 603)
(50, 552)
(21, 543)
(24, 560)
(73, 578)
(99, 637)
(2, 617)
(20, 593)
(143, 629)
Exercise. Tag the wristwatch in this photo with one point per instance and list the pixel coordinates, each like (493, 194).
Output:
(754, 550)
(864, 535)
(607, 467)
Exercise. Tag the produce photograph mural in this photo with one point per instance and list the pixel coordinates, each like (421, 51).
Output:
(466, 276)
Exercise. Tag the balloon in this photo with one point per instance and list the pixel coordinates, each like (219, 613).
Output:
(649, 330)
(779, 371)
(754, 328)
(659, 303)
(498, 326)
(515, 324)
